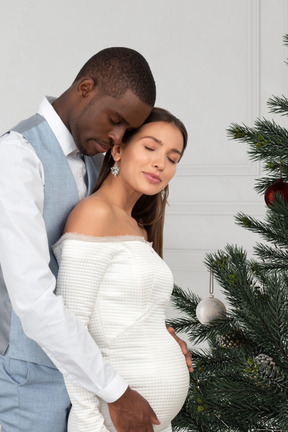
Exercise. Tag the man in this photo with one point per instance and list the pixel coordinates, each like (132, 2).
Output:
(42, 176)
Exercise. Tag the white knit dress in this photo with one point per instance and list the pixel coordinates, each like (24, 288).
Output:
(119, 287)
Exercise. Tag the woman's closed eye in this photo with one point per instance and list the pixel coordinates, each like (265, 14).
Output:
(172, 160)
(174, 157)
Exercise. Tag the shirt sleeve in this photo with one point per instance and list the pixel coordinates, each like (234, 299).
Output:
(24, 257)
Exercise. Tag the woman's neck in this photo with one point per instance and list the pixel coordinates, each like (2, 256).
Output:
(118, 195)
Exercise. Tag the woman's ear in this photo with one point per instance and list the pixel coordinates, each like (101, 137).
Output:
(116, 152)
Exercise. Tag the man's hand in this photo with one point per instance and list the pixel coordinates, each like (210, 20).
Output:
(183, 347)
(132, 413)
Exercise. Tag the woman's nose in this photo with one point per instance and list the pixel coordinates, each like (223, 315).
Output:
(159, 163)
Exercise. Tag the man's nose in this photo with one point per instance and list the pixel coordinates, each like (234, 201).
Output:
(117, 134)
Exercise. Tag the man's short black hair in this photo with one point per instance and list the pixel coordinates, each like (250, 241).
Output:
(116, 70)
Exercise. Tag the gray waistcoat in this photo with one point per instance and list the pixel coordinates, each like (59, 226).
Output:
(60, 196)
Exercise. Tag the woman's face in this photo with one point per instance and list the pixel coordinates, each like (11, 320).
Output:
(149, 160)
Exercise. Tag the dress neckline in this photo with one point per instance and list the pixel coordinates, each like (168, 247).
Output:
(91, 238)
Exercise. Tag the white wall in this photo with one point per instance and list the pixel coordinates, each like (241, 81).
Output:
(237, 63)
(214, 61)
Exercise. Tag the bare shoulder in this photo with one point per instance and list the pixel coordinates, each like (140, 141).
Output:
(91, 216)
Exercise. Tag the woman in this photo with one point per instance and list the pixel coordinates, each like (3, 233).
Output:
(112, 276)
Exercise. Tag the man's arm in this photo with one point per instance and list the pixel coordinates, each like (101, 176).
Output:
(24, 257)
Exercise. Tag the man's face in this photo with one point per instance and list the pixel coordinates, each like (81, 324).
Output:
(100, 121)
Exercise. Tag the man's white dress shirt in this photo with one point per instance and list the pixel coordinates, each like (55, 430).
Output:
(24, 257)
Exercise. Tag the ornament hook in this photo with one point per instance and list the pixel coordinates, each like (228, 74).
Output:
(211, 284)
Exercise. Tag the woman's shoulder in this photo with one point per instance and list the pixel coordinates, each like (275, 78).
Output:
(91, 216)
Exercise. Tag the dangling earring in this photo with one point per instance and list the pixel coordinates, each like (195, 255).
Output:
(115, 169)
(163, 194)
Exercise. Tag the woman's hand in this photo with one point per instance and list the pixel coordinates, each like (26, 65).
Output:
(183, 347)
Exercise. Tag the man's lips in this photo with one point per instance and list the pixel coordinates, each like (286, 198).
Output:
(152, 178)
(102, 147)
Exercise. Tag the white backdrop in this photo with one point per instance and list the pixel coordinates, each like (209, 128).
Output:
(215, 62)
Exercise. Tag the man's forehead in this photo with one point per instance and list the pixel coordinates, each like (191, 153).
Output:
(132, 110)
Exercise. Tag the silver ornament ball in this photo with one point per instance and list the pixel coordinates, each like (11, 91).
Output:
(209, 310)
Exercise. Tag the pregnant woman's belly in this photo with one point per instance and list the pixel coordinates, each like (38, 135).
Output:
(151, 361)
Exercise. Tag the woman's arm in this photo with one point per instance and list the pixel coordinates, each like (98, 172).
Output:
(81, 267)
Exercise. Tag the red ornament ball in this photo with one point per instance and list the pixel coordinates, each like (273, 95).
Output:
(279, 187)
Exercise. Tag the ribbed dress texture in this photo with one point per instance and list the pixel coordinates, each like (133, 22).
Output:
(119, 288)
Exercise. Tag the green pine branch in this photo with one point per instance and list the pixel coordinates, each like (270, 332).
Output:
(263, 316)
(264, 138)
(273, 229)
(278, 105)
(262, 184)
(271, 258)
(185, 301)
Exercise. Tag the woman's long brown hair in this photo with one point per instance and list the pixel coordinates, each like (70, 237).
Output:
(149, 210)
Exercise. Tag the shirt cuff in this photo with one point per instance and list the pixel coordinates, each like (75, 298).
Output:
(115, 389)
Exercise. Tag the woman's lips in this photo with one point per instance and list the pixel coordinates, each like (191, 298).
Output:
(152, 178)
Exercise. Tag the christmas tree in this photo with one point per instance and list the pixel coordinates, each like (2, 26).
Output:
(240, 381)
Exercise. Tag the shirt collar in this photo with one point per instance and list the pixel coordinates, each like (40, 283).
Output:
(61, 132)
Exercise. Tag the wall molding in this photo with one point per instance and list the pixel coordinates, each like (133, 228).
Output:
(182, 208)
(190, 260)
(185, 260)
(205, 170)
(253, 102)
